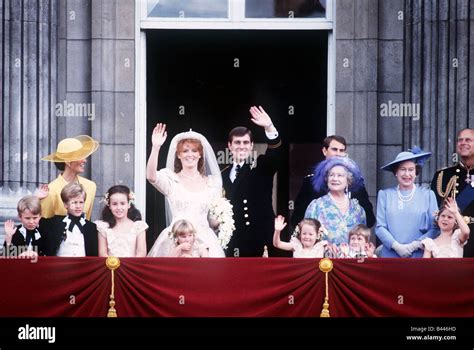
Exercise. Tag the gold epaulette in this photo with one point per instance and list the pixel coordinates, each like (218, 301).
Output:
(450, 187)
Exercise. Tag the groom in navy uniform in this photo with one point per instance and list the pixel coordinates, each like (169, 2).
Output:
(248, 184)
(458, 181)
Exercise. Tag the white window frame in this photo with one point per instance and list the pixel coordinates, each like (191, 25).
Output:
(236, 20)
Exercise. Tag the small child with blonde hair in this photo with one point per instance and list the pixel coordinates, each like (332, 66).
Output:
(306, 241)
(454, 233)
(359, 244)
(184, 237)
(25, 240)
(71, 235)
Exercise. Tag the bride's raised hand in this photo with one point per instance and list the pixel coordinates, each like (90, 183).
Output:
(159, 135)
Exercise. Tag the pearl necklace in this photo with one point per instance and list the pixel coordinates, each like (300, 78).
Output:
(406, 198)
(342, 203)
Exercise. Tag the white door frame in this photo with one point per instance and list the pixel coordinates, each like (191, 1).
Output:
(236, 20)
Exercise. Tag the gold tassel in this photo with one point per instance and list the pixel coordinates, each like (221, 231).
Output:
(112, 264)
(325, 265)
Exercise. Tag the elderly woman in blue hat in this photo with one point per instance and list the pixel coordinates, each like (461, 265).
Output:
(336, 211)
(405, 212)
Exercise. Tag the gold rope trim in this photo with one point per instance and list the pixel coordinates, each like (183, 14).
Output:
(450, 187)
(325, 265)
(275, 145)
(112, 264)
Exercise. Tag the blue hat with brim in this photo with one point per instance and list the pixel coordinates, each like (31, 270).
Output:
(416, 155)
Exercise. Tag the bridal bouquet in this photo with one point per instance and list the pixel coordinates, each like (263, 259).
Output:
(221, 212)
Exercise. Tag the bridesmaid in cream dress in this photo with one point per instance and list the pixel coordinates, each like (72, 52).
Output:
(454, 233)
(121, 231)
(191, 182)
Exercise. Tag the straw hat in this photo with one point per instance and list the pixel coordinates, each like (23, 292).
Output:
(73, 149)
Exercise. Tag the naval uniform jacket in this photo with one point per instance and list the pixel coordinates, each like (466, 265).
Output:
(251, 197)
(463, 192)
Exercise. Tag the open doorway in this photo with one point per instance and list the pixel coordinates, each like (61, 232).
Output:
(206, 80)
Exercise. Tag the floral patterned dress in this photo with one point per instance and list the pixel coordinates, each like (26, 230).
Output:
(336, 224)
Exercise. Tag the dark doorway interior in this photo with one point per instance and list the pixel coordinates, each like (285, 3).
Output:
(208, 79)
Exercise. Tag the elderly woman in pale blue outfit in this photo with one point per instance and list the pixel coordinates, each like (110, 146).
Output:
(336, 211)
(405, 213)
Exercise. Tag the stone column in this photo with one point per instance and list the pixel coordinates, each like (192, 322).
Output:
(29, 90)
(439, 56)
(356, 30)
(97, 69)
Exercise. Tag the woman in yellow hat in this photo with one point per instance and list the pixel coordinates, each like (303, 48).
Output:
(70, 159)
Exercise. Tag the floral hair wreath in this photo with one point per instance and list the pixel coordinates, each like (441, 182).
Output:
(131, 198)
(321, 232)
(456, 225)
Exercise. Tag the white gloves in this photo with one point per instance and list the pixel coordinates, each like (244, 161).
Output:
(405, 250)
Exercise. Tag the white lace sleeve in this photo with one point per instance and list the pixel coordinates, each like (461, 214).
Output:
(165, 180)
(139, 226)
(428, 244)
(296, 243)
(455, 237)
(102, 227)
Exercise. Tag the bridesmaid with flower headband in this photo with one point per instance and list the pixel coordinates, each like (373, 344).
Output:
(121, 230)
(306, 240)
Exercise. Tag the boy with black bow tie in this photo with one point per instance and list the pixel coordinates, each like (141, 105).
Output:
(71, 235)
(25, 240)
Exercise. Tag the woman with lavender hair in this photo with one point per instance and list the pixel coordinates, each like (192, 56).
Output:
(336, 211)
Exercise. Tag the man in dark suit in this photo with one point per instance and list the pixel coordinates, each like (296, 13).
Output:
(457, 181)
(248, 184)
(334, 146)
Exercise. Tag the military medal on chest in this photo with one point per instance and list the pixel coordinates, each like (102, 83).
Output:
(469, 178)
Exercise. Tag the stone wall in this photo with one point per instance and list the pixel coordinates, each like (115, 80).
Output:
(403, 52)
(29, 52)
(97, 47)
(82, 52)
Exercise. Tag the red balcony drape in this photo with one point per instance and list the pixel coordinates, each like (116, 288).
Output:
(239, 287)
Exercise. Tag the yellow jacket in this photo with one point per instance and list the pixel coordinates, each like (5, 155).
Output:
(53, 204)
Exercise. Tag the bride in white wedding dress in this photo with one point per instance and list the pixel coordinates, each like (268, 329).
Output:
(190, 182)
